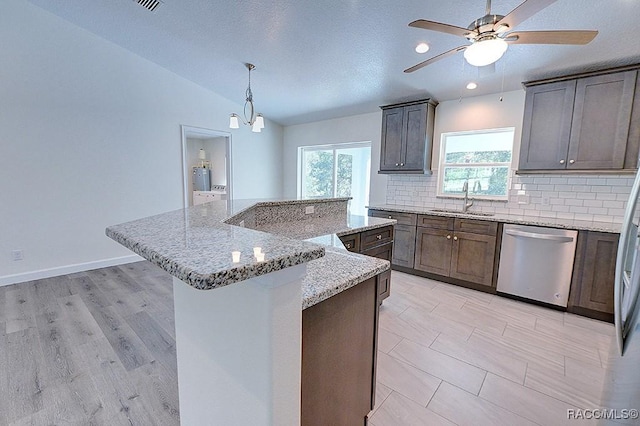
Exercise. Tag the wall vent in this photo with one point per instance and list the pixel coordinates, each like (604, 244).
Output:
(149, 4)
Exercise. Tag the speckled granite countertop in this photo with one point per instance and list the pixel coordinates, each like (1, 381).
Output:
(312, 229)
(582, 225)
(195, 246)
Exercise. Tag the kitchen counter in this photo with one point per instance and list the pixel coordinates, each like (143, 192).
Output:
(580, 225)
(195, 245)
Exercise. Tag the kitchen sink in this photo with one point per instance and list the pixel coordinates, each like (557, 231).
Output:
(461, 212)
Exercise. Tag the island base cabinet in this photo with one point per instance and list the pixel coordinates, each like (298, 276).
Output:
(339, 344)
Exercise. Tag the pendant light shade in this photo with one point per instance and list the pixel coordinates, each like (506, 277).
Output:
(485, 52)
(251, 118)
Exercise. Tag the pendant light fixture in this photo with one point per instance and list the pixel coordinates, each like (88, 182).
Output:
(251, 118)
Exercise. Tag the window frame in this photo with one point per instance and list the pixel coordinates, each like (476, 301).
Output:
(334, 147)
(442, 165)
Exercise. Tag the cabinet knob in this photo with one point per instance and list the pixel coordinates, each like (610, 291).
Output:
(455, 238)
(390, 217)
(448, 237)
(378, 237)
(397, 164)
(401, 164)
(561, 161)
(348, 245)
(572, 161)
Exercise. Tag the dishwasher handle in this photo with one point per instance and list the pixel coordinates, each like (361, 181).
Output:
(537, 236)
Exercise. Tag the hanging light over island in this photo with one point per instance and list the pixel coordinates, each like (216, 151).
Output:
(251, 118)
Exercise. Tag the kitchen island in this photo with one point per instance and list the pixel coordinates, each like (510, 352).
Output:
(247, 352)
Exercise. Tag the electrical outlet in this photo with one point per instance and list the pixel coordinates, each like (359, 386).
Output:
(309, 209)
(17, 255)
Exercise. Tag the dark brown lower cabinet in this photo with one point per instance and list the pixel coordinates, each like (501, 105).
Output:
(448, 251)
(404, 245)
(339, 345)
(472, 257)
(593, 275)
(376, 243)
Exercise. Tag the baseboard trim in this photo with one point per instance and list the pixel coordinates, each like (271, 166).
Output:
(67, 269)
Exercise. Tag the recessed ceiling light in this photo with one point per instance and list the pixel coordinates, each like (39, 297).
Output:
(422, 47)
(471, 85)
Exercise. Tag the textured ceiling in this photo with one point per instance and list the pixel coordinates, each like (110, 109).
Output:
(320, 59)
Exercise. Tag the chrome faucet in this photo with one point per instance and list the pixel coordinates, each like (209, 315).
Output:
(467, 203)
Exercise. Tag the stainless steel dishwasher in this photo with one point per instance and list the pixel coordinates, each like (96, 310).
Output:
(536, 263)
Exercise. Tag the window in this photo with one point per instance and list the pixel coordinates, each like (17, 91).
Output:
(336, 171)
(481, 157)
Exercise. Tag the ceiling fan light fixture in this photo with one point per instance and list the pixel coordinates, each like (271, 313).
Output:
(422, 48)
(485, 52)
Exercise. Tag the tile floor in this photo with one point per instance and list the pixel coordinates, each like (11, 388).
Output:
(453, 356)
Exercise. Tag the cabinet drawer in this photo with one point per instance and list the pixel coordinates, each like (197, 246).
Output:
(438, 222)
(351, 242)
(402, 218)
(384, 251)
(376, 237)
(476, 226)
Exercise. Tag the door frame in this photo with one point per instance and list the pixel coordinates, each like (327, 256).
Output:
(192, 131)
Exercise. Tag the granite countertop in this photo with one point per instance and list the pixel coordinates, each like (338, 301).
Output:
(316, 229)
(194, 245)
(581, 225)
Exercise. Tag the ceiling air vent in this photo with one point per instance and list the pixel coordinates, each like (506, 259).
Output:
(149, 4)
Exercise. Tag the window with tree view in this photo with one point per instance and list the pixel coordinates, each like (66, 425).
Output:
(336, 171)
(482, 158)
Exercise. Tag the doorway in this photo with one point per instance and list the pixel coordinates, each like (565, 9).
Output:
(207, 149)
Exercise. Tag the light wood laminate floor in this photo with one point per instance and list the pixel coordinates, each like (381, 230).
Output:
(99, 348)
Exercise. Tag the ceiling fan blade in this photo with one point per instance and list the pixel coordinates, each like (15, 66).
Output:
(527, 9)
(435, 58)
(443, 28)
(550, 37)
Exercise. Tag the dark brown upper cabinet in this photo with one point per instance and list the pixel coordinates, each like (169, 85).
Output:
(407, 135)
(581, 123)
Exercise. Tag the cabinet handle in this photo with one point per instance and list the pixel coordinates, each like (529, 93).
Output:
(561, 161)
(348, 245)
(572, 161)
(455, 238)
(378, 237)
(448, 237)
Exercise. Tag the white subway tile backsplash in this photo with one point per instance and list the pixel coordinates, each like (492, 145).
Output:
(590, 197)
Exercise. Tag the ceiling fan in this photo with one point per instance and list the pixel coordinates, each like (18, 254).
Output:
(490, 35)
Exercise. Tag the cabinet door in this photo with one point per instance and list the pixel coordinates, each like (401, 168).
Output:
(546, 128)
(339, 343)
(404, 245)
(601, 117)
(415, 134)
(391, 143)
(472, 257)
(433, 250)
(594, 271)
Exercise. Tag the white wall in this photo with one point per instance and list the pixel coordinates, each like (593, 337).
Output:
(479, 112)
(357, 128)
(90, 136)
